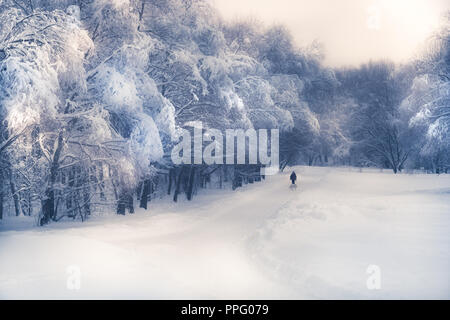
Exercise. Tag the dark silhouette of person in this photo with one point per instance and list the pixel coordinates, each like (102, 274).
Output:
(293, 177)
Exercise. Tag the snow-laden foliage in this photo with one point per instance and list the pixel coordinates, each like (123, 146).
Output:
(428, 101)
(40, 67)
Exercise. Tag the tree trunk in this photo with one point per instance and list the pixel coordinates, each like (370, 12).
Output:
(130, 203)
(48, 207)
(190, 190)
(310, 161)
(237, 180)
(102, 183)
(121, 205)
(144, 195)
(27, 208)
(87, 201)
(1, 201)
(48, 204)
(170, 181)
(15, 195)
(139, 190)
(178, 184)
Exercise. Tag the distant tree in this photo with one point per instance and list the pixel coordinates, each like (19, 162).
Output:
(378, 133)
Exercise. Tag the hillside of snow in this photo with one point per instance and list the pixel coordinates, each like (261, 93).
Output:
(262, 241)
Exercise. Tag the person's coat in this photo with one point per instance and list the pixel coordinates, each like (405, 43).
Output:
(293, 177)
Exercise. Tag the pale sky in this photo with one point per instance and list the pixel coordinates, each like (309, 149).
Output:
(352, 31)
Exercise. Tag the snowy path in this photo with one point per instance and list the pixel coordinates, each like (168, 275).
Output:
(262, 241)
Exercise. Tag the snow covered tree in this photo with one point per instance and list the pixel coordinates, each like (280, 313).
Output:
(379, 135)
(429, 100)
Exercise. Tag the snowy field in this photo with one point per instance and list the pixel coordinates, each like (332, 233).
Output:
(260, 242)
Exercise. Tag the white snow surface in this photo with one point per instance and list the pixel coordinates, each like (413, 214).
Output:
(262, 241)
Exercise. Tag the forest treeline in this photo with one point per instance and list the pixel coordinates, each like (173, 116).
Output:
(94, 93)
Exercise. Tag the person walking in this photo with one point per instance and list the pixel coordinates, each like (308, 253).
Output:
(293, 177)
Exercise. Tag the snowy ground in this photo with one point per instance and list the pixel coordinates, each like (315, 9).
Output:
(261, 242)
